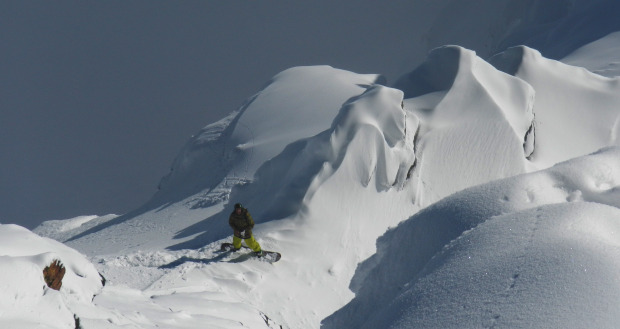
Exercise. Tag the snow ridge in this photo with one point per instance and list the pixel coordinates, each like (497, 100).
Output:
(456, 123)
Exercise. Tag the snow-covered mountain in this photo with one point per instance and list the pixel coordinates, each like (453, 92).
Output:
(470, 193)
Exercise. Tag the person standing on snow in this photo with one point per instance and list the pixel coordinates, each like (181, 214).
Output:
(242, 224)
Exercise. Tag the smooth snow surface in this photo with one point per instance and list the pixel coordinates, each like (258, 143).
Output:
(601, 56)
(475, 194)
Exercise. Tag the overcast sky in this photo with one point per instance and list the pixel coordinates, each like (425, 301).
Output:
(97, 97)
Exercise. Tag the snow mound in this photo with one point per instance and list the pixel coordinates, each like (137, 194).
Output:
(531, 244)
(26, 301)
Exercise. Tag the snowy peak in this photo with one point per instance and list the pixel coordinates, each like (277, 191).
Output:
(297, 103)
(436, 74)
(290, 104)
(479, 124)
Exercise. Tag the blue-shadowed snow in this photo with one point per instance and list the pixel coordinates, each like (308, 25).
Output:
(601, 56)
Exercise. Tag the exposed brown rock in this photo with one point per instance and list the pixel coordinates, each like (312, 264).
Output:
(53, 274)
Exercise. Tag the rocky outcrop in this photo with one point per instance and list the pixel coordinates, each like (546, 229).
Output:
(53, 274)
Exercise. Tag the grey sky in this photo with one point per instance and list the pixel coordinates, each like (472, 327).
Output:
(97, 97)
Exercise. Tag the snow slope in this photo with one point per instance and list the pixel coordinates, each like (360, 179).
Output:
(415, 206)
(601, 56)
(537, 249)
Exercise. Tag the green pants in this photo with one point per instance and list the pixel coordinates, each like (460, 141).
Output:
(250, 242)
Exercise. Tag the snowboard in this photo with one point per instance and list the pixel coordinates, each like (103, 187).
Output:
(269, 256)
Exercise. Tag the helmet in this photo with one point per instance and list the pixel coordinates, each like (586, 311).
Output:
(238, 205)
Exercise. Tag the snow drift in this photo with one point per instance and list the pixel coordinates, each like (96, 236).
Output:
(26, 301)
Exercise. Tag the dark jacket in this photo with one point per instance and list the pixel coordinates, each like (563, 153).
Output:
(242, 224)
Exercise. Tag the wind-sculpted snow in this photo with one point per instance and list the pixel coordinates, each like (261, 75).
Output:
(539, 248)
(477, 126)
(200, 165)
(296, 104)
(378, 118)
(299, 103)
(385, 155)
(556, 270)
(576, 111)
